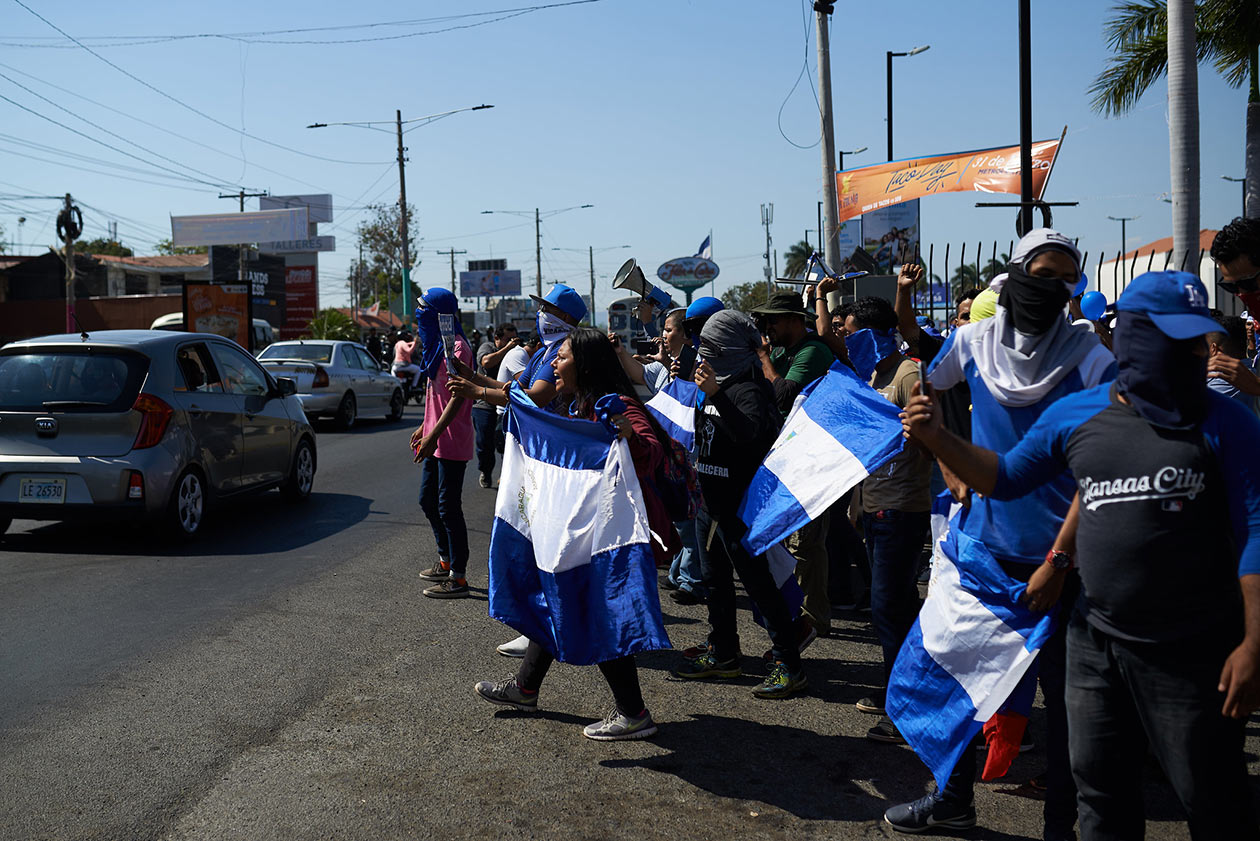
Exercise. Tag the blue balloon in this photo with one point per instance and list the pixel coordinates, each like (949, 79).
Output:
(1081, 285)
(1093, 305)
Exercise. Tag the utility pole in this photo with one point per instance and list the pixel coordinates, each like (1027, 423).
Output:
(402, 218)
(359, 281)
(451, 253)
(826, 230)
(69, 228)
(1124, 248)
(592, 254)
(240, 252)
(538, 251)
(767, 216)
(1025, 118)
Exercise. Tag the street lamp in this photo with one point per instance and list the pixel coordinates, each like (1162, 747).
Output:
(538, 217)
(591, 252)
(842, 153)
(1124, 248)
(398, 123)
(891, 56)
(1243, 182)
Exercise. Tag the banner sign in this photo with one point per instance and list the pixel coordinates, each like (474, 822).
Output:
(319, 206)
(221, 309)
(891, 235)
(983, 170)
(687, 272)
(300, 293)
(489, 284)
(294, 246)
(237, 228)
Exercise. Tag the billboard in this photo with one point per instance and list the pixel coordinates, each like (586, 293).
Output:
(984, 170)
(687, 272)
(236, 228)
(264, 278)
(891, 235)
(221, 309)
(295, 246)
(301, 300)
(319, 205)
(489, 284)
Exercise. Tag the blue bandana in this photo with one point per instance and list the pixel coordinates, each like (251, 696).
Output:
(867, 348)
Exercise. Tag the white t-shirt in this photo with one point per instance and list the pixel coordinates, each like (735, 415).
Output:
(516, 361)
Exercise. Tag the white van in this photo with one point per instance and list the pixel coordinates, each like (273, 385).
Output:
(264, 333)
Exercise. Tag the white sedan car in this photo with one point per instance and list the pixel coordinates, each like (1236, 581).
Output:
(336, 379)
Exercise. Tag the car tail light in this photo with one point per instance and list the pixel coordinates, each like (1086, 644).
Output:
(135, 486)
(155, 414)
(321, 378)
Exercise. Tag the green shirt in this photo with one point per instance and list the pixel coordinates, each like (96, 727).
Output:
(804, 362)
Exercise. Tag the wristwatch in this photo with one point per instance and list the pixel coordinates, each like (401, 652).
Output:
(1059, 559)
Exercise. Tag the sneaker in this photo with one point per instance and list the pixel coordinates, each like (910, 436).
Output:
(617, 727)
(667, 583)
(885, 731)
(706, 665)
(515, 648)
(806, 633)
(437, 572)
(870, 706)
(506, 693)
(684, 597)
(781, 683)
(928, 812)
(484, 480)
(449, 589)
(695, 651)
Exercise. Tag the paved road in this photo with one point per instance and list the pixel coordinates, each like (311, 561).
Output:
(284, 679)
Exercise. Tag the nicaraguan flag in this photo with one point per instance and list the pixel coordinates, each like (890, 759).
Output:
(675, 407)
(706, 248)
(570, 562)
(968, 651)
(840, 431)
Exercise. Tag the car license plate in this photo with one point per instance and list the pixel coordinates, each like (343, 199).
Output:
(46, 491)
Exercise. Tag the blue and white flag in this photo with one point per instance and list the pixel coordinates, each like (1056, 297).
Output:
(674, 406)
(840, 431)
(571, 566)
(968, 651)
(706, 248)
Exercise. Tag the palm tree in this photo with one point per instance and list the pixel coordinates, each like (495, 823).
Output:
(1226, 33)
(797, 257)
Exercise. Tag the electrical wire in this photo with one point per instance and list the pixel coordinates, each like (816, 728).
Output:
(804, 68)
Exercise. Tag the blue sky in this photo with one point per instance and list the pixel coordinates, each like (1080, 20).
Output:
(663, 114)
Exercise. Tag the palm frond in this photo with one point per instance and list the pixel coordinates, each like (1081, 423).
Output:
(1135, 20)
(1232, 28)
(1128, 75)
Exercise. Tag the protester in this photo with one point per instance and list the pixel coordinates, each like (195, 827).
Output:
(404, 349)
(444, 445)
(585, 371)
(1018, 363)
(489, 356)
(896, 500)
(1236, 251)
(374, 347)
(735, 428)
(1159, 654)
(1228, 364)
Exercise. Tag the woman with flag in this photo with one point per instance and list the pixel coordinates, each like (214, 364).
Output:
(591, 383)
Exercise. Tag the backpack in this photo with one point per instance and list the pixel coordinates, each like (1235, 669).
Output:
(676, 481)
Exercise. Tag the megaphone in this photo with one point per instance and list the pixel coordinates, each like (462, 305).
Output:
(631, 277)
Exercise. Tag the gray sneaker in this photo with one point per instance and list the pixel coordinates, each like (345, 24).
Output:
(616, 727)
(514, 648)
(437, 572)
(507, 694)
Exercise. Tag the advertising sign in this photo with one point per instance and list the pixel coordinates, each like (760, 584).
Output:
(489, 284)
(300, 300)
(687, 272)
(236, 228)
(984, 170)
(221, 309)
(848, 237)
(264, 277)
(891, 235)
(319, 205)
(294, 246)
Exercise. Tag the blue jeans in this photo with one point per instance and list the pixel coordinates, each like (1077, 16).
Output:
(485, 422)
(442, 500)
(894, 540)
(1124, 696)
(684, 570)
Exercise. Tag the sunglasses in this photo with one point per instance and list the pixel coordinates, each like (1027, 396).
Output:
(1246, 284)
(964, 316)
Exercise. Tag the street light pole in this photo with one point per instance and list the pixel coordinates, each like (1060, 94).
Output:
(1243, 182)
(537, 214)
(891, 55)
(840, 156)
(1124, 248)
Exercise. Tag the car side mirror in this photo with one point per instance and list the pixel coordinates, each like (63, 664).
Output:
(285, 386)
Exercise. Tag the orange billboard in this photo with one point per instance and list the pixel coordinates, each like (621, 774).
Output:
(982, 170)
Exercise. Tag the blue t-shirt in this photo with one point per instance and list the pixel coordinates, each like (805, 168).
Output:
(1169, 518)
(540, 368)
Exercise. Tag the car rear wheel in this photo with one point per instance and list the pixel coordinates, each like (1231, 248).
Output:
(347, 411)
(187, 509)
(302, 475)
(396, 404)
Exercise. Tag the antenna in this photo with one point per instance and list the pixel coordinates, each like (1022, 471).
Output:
(83, 334)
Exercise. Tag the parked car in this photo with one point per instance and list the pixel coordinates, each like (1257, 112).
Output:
(336, 379)
(146, 424)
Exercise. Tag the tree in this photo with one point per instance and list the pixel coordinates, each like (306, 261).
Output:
(797, 258)
(381, 274)
(2, 242)
(101, 245)
(1225, 33)
(165, 246)
(745, 296)
(332, 324)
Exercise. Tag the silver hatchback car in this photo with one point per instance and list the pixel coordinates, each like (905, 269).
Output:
(144, 423)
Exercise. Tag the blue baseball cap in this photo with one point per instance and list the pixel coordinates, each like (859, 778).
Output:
(1176, 302)
(440, 298)
(704, 307)
(565, 299)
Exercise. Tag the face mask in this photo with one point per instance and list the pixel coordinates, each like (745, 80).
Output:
(551, 327)
(1162, 378)
(1033, 303)
(867, 348)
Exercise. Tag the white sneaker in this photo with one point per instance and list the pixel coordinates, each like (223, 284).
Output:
(515, 648)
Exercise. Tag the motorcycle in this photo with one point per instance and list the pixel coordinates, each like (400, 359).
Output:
(410, 394)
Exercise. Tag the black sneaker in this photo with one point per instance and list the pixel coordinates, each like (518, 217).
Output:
(707, 666)
(685, 597)
(437, 572)
(885, 731)
(870, 706)
(927, 813)
(484, 480)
